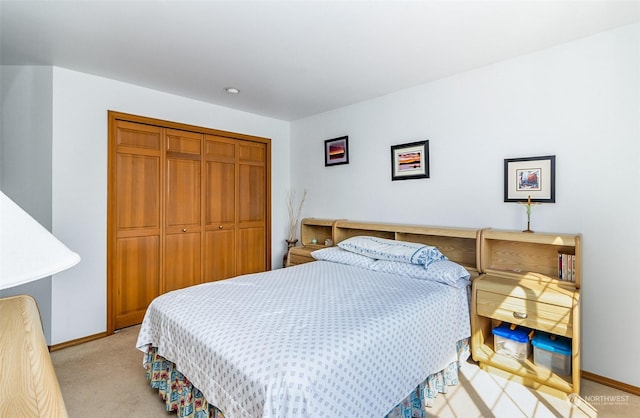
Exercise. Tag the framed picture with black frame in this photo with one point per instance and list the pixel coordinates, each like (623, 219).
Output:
(530, 179)
(336, 151)
(410, 161)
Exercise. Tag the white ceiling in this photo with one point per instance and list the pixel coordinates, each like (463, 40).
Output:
(291, 59)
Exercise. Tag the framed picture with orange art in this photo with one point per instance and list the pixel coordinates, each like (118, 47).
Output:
(410, 161)
(336, 151)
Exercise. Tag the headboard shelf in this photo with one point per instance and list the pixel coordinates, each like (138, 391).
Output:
(510, 254)
(535, 256)
(318, 229)
(458, 244)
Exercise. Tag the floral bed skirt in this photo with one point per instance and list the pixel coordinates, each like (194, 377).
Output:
(187, 401)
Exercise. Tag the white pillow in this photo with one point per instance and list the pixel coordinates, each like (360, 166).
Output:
(338, 255)
(442, 271)
(388, 249)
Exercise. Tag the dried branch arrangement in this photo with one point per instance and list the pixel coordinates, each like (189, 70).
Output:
(294, 213)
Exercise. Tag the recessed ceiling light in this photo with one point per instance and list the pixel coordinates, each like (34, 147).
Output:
(232, 90)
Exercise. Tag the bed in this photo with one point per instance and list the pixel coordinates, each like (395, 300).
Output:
(332, 338)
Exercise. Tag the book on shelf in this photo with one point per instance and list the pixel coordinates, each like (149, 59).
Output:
(566, 266)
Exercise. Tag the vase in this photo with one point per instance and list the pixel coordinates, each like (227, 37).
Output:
(290, 244)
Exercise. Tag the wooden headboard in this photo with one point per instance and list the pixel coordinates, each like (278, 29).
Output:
(460, 245)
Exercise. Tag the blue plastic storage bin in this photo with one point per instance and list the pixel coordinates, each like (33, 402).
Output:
(552, 352)
(512, 342)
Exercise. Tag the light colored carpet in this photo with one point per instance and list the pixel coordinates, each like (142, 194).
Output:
(105, 378)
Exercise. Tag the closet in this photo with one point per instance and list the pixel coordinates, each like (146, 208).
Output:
(186, 205)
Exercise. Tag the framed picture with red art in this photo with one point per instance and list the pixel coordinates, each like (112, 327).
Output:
(336, 151)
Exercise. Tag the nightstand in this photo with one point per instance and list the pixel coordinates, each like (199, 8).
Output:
(520, 283)
(301, 255)
(313, 233)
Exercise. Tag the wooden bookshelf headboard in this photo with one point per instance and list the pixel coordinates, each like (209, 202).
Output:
(513, 254)
(458, 244)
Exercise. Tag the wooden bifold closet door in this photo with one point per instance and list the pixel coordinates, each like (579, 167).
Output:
(186, 205)
(182, 209)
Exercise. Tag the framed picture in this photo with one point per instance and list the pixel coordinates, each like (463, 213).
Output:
(336, 151)
(532, 177)
(410, 161)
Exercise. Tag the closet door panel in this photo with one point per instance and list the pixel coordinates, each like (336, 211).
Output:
(184, 142)
(138, 192)
(251, 182)
(220, 193)
(220, 259)
(220, 181)
(182, 261)
(183, 210)
(252, 152)
(220, 208)
(183, 186)
(182, 207)
(220, 148)
(137, 135)
(251, 194)
(252, 211)
(219, 252)
(136, 272)
(135, 220)
(251, 250)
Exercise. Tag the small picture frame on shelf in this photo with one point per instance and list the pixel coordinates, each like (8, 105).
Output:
(336, 151)
(410, 161)
(530, 179)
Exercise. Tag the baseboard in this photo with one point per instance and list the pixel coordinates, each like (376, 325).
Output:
(634, 390)
(78, 341)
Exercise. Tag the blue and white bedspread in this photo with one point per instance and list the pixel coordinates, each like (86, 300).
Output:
(319, 339)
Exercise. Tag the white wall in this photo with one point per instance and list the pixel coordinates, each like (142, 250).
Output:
(25, 159)
(80, 105)
(579, 101)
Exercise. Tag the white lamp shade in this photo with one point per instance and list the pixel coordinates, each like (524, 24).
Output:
(28, 251)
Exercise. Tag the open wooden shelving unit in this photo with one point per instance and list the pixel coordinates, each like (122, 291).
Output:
(520, 284)
(458, 244)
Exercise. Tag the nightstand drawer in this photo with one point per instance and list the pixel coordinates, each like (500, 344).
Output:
(530, 313)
